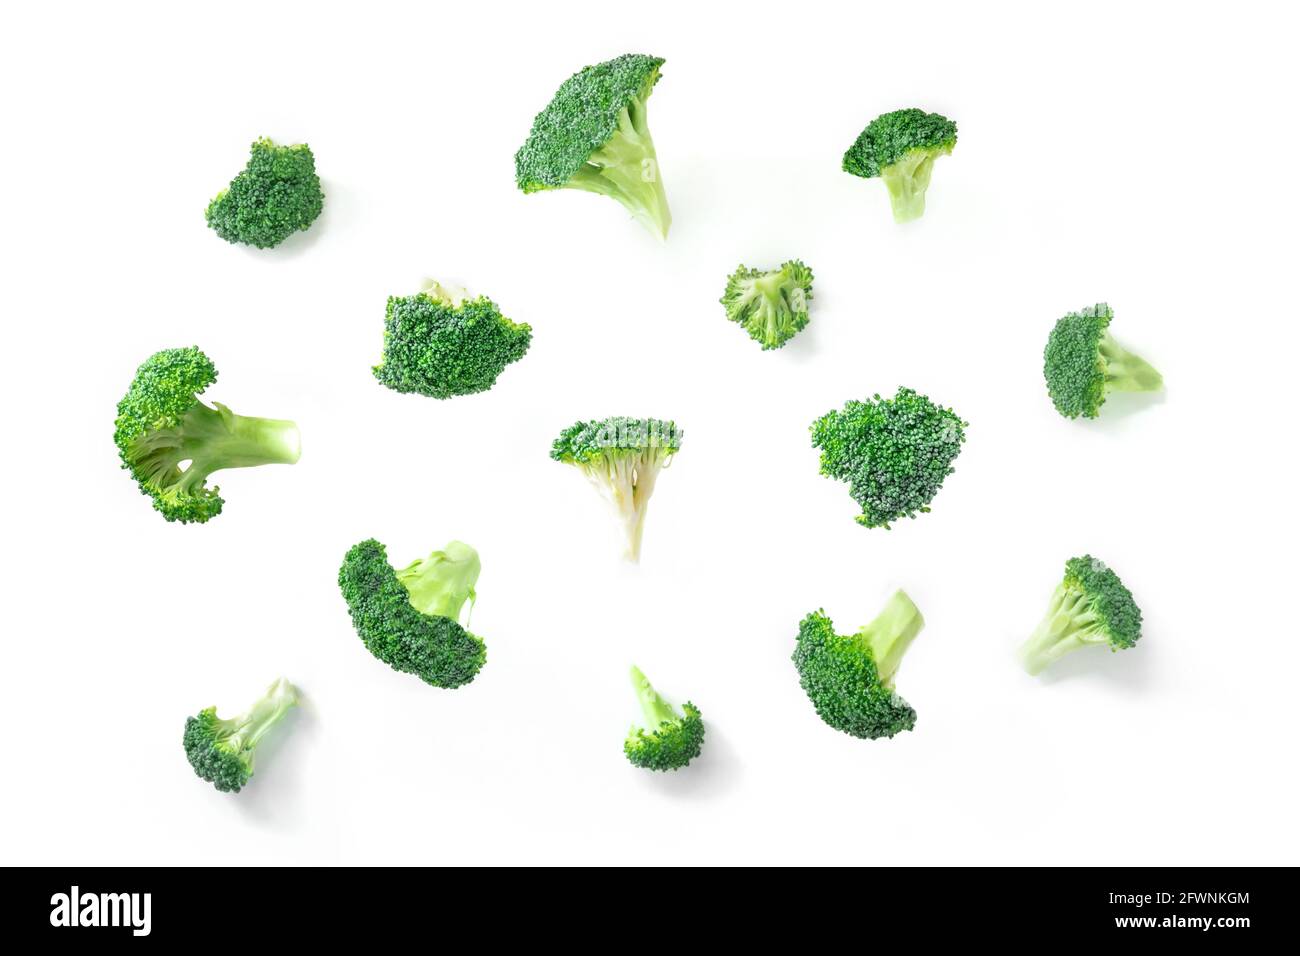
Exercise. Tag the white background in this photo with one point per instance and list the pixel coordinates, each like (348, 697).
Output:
(1140, 155)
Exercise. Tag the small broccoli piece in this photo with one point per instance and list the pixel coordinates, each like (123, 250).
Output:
(850, 680)
(894, 453)
(221, 751)
(1090, 606)
(171, 442)
(669, 740)
(622, 458)
(901, 147)
(276, 195)
(771, 304)
(409, 619)
(593, 136)
(441, 343)
(1083, 364)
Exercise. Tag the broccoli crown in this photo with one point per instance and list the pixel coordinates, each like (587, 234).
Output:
(411, 639)
(1090, 606)
(1115, 614)
(670, 738)
(439, 344)
(161, 426)
(890, 136)
(850, 679)
(894, 453)
(1082, 363)
(581, 118)
(277, 194)
(221, 751)
(587, 442)
(770, 304)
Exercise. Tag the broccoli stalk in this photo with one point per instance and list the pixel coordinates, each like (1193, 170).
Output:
(626, 168)
(669, 740)
(888, 637)
(441, 583)
(221, 751)
(907, 180)
(622, 458)
(593, 136)
(1125, 371)
(1090, 607)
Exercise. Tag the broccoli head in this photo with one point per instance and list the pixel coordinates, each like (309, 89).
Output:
(409, 619)
(1089, 607)
(1083, 364)
(221, 751)
(850, 680)
(593, 136)
(276, 195)
(441, 343)
(901, 147)
(622, 458)
(669, 740)
(770, 304)
(895, 453)
(171, 442)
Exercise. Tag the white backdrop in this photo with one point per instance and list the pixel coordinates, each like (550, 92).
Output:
(1108, 152)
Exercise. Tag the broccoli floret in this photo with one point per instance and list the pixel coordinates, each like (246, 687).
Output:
(901, 147)
(771, 304)
(221, 751)
(1083, 364)
(894, 453)
(850, 680)
(277, 194)
(441, 343)
(669, 740)
(409, 619)
(622, 458)
(171, 442)
(1090, 606)
(593, 136)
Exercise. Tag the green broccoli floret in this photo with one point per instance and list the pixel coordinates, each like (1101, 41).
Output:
(1083, 364)
(171, 442)
(409, 619)
(901, 147)
(441, 343)
(1090, 606)
(669, 740)
(593, 136)
(850, 680)
(771, 304)
(894, 453)
(221, 751)
(622, 458)
(277, 194)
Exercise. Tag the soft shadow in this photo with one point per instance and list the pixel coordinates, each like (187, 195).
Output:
(274, 794)
(1130, 669)
(804, 346)
(712, 774)
(1120, 406)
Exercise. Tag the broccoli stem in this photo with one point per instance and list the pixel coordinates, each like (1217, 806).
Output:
(656, 710)
(1126, 372)
(626, 168)
(890, 635)
(1067, 626)
(441, 583)
(627, 481)
(246, 730)
(907, 180)
(213, 439)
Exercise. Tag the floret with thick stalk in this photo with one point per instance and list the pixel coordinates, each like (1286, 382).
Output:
(901, 147)
(593, 136)
(410, 619)
(770, 304)
(850, 679)
(221, 751)
(1091, 607)
(172, 442)
(1083, 363)
(669, 739)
